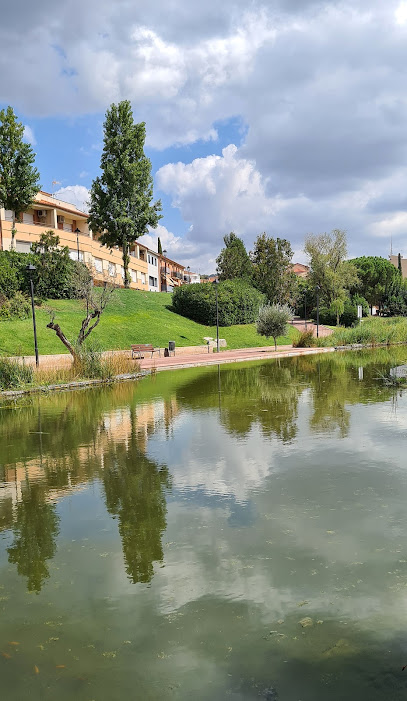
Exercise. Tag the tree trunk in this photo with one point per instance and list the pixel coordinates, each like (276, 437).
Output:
(337, 318)
(275, 343)
(63, 338)
(13, 232)
(126, 261)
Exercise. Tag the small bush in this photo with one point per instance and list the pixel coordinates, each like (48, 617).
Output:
(239, 302)
(14, 374)
(273, 320)
(18, 307)
(90, 363)
(306, 340)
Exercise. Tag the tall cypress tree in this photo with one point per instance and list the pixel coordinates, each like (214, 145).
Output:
(160, 248)
(399, 265)
(121, 206)
(18, 174)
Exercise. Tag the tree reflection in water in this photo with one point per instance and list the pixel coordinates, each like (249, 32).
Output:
(134, 489)
(35, 530)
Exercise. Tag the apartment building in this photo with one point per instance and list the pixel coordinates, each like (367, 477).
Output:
(71, 225)
(172, 274)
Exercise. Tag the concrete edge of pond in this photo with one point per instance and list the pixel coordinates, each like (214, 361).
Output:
(68, 386)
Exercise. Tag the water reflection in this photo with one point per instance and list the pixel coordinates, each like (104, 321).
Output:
(35, 528)
(134, 488)
(180, 531)
(77, 438)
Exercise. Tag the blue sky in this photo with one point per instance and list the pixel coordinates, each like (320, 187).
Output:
(286, 117)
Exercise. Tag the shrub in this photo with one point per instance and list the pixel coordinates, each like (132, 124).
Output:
(272, 320)
(305, 340)
(239, 302)
(90, 363)
(13, 374)
(9, 282)
(18, 307)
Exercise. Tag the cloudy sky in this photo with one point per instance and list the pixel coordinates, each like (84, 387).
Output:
(286, 116)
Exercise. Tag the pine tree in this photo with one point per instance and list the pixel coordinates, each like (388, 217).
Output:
(18, 175)
(121, 205)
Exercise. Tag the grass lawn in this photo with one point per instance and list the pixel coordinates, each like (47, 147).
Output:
(131, 317)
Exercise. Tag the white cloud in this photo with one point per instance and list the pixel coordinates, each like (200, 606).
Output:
(77, 195)
(29, 135)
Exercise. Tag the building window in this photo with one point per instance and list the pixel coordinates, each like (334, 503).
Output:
(133, 274)
(97, 262)
(28, 218)
(23, 246)
(143, 278)
(8, 214)
(112, 269)
(74, 255)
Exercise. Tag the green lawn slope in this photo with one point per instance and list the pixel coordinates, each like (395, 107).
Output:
(131, 317)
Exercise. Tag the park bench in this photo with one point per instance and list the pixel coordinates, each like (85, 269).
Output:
(139, 349)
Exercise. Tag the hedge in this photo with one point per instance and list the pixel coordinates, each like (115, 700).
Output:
(238, 302)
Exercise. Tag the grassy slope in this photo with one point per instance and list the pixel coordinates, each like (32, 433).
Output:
(132, 317)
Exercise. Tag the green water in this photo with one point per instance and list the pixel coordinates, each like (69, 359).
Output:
(217, 533)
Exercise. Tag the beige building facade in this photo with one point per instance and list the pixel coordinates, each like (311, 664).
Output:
(71, 225)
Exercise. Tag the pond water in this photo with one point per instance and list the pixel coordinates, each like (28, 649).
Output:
(234, 532)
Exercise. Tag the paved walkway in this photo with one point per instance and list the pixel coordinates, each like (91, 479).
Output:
(230, 356)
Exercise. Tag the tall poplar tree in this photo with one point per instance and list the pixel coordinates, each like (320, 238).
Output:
(19, 178)
(121, 206)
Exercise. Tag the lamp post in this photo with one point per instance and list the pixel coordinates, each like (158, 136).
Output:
(165, 269)
(305, 310)
(77, 232)
(216, 283)
(30, 269)
(189, 276)
(317, 289)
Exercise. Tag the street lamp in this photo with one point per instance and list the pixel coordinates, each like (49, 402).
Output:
(189, 276)
(30, 269)
(216, 283)
(317, 289)
(165, 269)
(77, 232)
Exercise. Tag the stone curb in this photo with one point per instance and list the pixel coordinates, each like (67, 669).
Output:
(80, 384)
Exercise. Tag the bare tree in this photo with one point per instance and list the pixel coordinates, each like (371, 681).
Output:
(96, 300)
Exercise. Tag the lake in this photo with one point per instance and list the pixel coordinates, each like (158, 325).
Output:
(231, 532)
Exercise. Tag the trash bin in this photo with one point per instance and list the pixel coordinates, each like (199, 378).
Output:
(171, 346)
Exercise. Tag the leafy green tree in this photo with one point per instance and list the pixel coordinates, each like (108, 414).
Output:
(19, 179)
(328, 266)
(337, 307)
(35, 530)
(273, 320)
(272, 273)
(121, 207)
(375, 277)
(233, 261)
(53, 267)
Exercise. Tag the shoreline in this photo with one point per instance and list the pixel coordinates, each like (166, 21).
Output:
(151, 366)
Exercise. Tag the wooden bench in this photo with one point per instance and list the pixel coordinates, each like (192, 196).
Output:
(139, 349)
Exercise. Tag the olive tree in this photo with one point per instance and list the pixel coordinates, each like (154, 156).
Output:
(272, 320)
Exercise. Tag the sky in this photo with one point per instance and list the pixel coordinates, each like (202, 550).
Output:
(286, 116)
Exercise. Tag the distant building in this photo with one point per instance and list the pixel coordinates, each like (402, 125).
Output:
(395, 261)
(146, 267)
(300, 270)
(193, 278)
